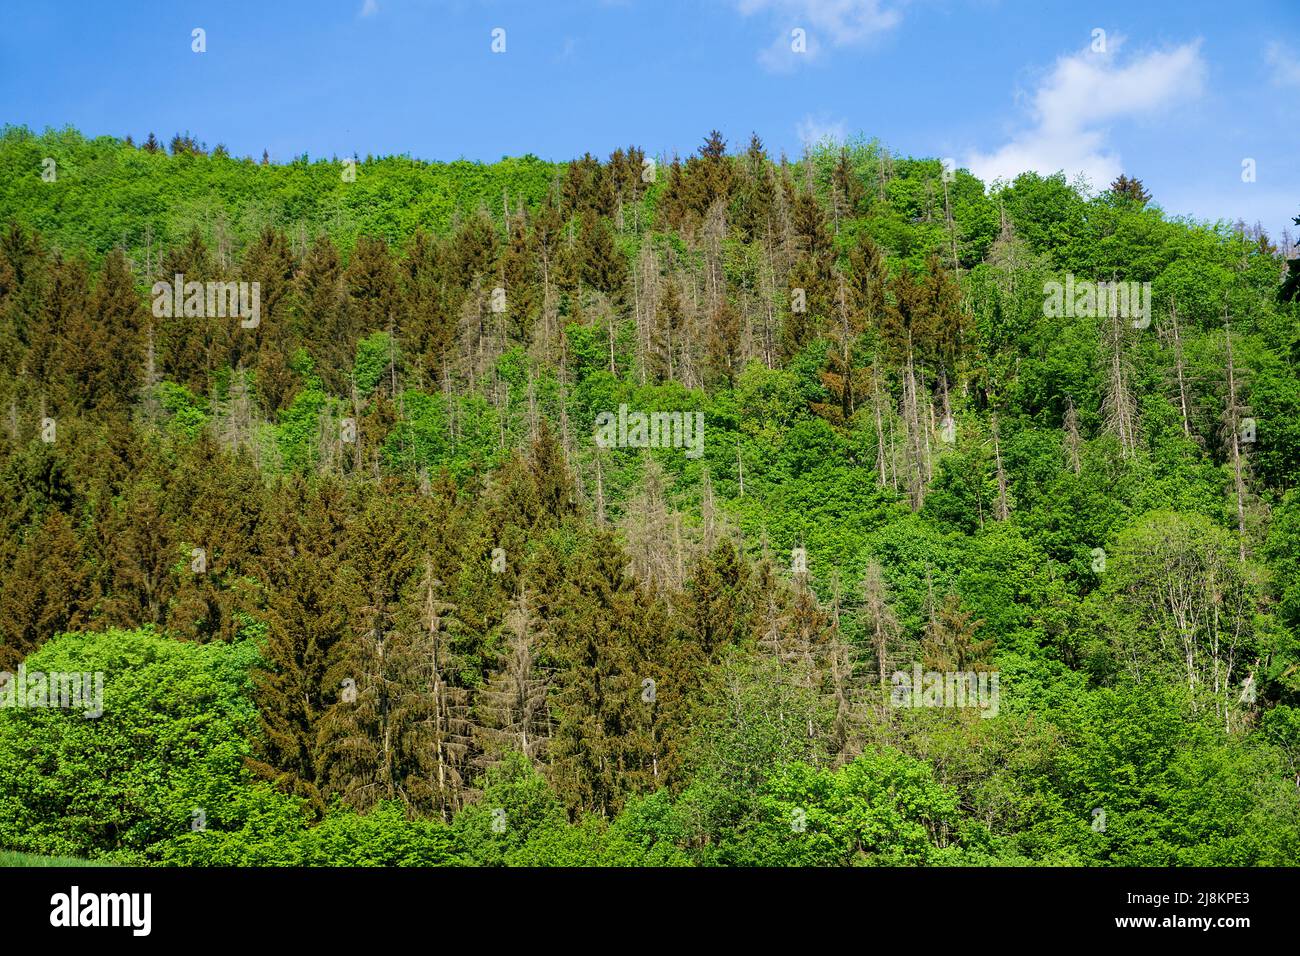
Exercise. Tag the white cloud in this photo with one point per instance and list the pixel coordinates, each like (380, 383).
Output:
(1083, 93)
(815, 130)
(369, 8)
(1285, 64)
(826, 24)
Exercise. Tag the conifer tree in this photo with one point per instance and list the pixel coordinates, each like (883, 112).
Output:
(647, 529)
(755, 193)
(950, 643)
(299, 551)
(667, 334)
(881, 625)
(717, 602)
(597, 754)
(269, 261)
(603, 268)
(141, 551)
(63, 317)
(101, 343)
(185, 343)
(905, 331)
(474, 249)
(360, 739)
(372, 301)
(430, 713)
(45, 592)
(512, 706)
(808, 305)
(1131, 190)
(1119, 406)
(805, 642)
(518, 279)
(947, 324)
(428, 325)
(547, 227)
(848, 190)
(770, 603)
(218, 499)
(320, 315)
(724, 345)
(841, 686)
(860, 305)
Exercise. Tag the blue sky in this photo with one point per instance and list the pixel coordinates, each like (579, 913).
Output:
(1178, 94)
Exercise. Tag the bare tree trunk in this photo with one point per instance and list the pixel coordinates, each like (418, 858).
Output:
(1004, 509)
(740, 470)
(1178, 365)
(912, 424)
(952, 228)
(1234, 427)
(610, 327)
(880, 430)
(1118, 404)
(1072, 440)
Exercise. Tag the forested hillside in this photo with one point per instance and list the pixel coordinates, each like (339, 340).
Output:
(372, 579)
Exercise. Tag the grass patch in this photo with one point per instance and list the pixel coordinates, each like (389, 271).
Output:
(10, 858)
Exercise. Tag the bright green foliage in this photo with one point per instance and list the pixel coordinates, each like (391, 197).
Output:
(110, 188)
(367, 590)
(171, 741)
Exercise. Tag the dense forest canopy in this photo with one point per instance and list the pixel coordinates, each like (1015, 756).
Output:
(367, 583)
